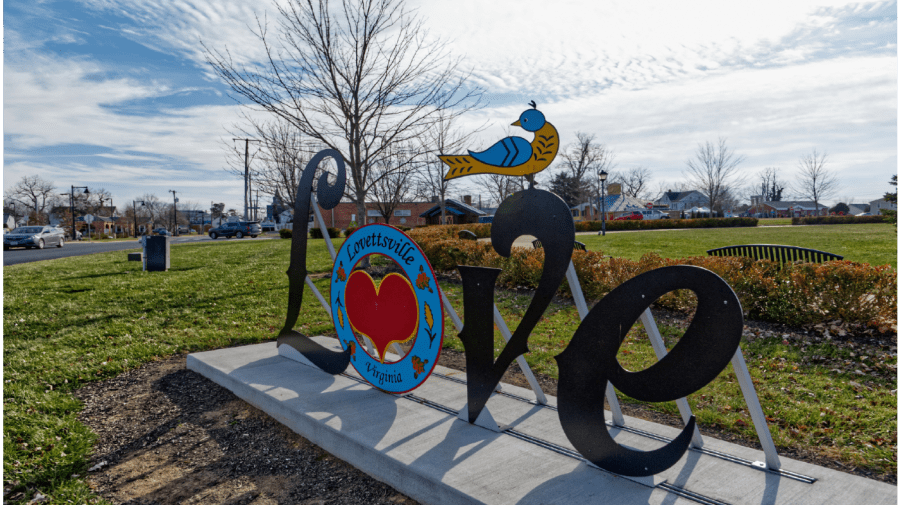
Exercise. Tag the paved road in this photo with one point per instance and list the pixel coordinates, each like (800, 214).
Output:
(15, 256)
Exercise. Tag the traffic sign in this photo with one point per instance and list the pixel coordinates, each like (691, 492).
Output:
(88, 219)
(649, 205)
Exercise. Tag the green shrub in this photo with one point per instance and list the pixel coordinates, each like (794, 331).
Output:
(332, 232)
(794, 294)
(888, 215)
(838, 220)
(350, 230)
(286, 233)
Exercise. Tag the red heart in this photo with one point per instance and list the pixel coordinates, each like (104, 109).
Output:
(385, 314)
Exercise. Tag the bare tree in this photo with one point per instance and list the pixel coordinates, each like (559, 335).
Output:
(713, 170)
(500, 187)
(216, 211)
(581, 159)
(815, 181)
(769, 188)
(277, 164)
(36, 195)
(393, 179)
(356, 81)
(634, 181)
(441, 138)
(664, 187)
(154, 209)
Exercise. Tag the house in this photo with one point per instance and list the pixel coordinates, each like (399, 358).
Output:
(456, 212)
(855, 209)
(682, 200)
(585, 212)
(276, 208)
(877, 205)
(617, 204)
(785, 208)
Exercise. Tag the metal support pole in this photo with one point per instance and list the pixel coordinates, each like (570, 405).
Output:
(648, 322)
(525, 368)
(617, 416)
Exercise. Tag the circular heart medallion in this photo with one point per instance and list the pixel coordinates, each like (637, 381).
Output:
(403, 308)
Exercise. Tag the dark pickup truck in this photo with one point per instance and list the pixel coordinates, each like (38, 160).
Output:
(238, 229)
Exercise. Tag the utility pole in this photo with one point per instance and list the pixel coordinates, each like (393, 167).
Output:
(247, 195)
(175, 214)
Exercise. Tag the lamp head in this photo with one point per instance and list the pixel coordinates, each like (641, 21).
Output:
(86, 191)
(603, 175)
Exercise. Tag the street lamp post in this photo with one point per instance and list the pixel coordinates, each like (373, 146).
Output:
(602, 176)
(175, 196)
(72, 205)
(134, 206)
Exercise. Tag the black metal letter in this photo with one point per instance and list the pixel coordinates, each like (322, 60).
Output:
(590, 361)
(530, 212)
(328, 196)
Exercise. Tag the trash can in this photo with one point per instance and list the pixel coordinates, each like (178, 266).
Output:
(157, 253)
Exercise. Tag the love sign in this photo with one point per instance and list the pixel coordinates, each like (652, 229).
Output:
(404, 309)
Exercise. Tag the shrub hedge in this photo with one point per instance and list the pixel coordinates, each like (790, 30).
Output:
(332, 232)
(286, 233)
(838, 219)
(482, 230)
(794, 294)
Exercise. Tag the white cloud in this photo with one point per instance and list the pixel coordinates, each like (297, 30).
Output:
(772, 116)
(650, 79)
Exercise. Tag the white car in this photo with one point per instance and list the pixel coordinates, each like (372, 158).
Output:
(654, 214)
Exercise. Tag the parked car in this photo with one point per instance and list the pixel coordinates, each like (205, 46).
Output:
(237, 229)
(161, 231)
(655, 214)
(36, 237)
(632, 216)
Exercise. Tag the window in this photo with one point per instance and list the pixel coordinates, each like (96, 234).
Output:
(402, 212)
(374, 213)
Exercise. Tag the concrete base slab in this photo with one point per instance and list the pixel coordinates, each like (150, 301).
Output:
(417, 444)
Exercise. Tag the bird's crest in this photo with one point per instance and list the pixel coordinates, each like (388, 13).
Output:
(532, 104)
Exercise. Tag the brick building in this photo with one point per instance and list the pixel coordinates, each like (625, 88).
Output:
(406, 214)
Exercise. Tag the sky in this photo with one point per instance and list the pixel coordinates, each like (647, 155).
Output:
(118, 95)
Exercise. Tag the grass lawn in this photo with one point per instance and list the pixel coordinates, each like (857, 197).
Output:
(862, 243)
(71, 321)
(775, 221)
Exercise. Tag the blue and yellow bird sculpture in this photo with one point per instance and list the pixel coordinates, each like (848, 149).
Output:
(511, 155)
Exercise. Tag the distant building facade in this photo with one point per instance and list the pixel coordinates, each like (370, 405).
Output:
(877, 205)
(682, 200)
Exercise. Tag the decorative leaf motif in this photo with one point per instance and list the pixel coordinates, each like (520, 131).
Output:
(423, 281)
(418, 365)
(340, 316)
(428, 315)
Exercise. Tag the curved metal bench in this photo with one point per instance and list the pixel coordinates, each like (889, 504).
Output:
(776, 253)
(467, 235)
